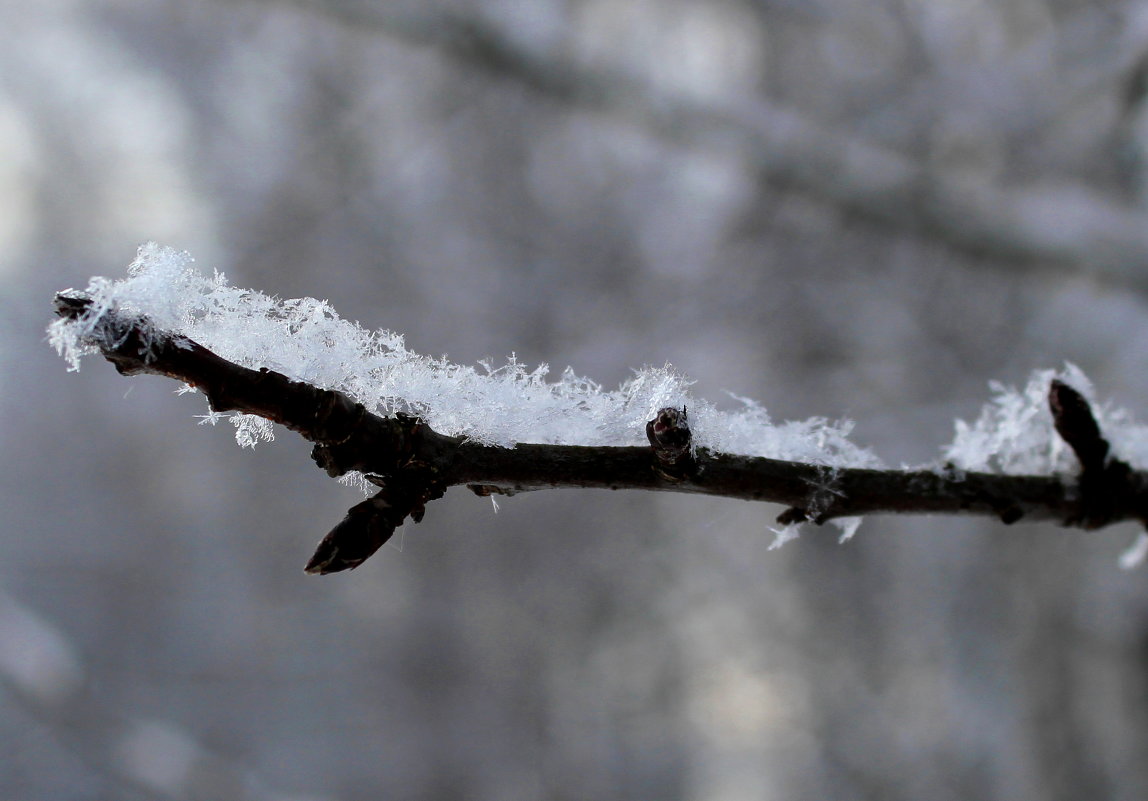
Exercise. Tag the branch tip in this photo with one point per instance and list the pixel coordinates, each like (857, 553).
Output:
(71, 303)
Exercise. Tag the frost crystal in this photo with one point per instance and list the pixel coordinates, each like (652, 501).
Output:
(495, 405)
(848, 526)
(1015, 433)
(1135, 555)
(785, 534)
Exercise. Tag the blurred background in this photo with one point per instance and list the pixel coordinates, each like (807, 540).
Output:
(849, 208)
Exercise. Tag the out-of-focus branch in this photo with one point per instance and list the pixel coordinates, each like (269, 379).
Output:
(414, 465)
(48, 687)
(1059, 225)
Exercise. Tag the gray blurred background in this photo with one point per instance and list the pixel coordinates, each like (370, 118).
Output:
(850, 208)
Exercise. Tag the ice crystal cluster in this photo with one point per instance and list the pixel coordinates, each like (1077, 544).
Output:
(494, 404)
(1014, 434)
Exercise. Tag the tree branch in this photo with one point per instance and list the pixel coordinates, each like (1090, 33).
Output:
(413, 464)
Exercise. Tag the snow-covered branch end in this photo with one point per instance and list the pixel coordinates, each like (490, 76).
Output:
(399, 422)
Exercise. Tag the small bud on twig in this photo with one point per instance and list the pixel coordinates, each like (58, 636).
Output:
(669, 434)
(1076, 424)
(362, 532)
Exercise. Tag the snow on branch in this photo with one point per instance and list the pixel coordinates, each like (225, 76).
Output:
(413, 426)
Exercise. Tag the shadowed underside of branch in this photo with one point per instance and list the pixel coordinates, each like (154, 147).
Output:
(413, 464)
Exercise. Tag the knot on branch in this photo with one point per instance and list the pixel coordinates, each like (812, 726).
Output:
(669, 434)
(364, 442)
(825, 493)
(792, 515)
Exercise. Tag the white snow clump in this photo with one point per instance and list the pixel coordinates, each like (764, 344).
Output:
(1015, 434)
(496, 405)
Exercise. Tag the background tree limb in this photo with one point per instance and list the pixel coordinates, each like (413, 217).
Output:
(1063, 224)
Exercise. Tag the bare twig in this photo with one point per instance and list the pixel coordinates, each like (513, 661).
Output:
(414, 465)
